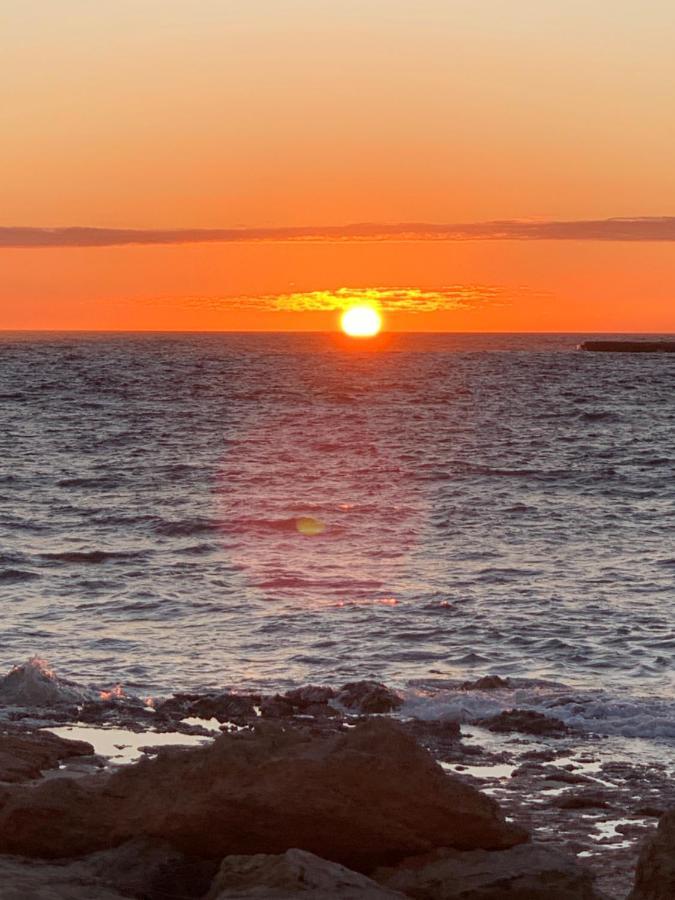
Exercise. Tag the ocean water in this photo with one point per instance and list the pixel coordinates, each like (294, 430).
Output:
(200, 511)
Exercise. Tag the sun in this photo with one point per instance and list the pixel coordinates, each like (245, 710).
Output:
(361, 321)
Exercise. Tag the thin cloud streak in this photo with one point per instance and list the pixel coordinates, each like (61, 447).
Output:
(661, 228)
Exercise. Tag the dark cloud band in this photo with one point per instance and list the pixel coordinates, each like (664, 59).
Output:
(635, 229)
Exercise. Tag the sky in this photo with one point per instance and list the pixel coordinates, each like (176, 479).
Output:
(224, 152)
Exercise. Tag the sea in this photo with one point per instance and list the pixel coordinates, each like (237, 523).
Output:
(238, 510)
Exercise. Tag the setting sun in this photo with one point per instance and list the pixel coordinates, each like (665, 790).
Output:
(361, 321)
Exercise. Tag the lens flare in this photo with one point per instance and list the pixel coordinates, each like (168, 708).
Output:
(309, 526)
(361, 321)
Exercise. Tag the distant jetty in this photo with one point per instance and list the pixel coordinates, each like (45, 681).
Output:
(628, 346)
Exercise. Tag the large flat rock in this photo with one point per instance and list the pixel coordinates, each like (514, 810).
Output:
(26, 756)
(292, 874)
(366, 797)
(526, 872)
(655, 874)
(22, 879)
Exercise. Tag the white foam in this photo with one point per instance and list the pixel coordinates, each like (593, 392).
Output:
(588, 711)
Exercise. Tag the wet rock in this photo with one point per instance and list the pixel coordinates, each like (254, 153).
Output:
(130, 714)
(651, 812)
(526, 722)
(366, 797)
(655, 874)
(529, 770)
(309, 700)
(320, 709)
(474, 750)
(539, 755)
(150, 870)
(631, 829)
(527, 872)
(276, 707)
(27, 880)
(225, 706)
(583, 799)
(551, 773)
(290, 874)
(441, 737)
(369, 697)
(629, 772)
(486, 683)
(139, 869)
(26, 756)
(309, 694)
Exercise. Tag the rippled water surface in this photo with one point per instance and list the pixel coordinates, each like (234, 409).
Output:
(190, 510)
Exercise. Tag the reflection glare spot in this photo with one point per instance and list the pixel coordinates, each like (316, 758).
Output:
(309, 526)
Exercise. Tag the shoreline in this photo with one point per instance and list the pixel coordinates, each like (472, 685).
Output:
(584, 795)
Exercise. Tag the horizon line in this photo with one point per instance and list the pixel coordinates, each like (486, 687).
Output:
(337, 332)
(627, 229)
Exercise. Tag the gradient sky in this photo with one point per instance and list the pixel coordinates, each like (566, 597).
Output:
(165, 114)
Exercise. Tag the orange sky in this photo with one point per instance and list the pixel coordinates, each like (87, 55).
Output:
(166, 114)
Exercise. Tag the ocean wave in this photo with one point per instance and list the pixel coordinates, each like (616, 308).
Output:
(187, 527)
(197, 549)
(597, 712)
(598, 416)
(93, 557)
(102, 482)
(34, 684)
(13, 576)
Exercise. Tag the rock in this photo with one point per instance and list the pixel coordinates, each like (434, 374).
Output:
(651, 812)
(588, 798)
(486, 683)
(311, 700)
(551, 773)
(294, 873)
(309, 694)
(526, 722)
(527, 872)
(26, 756)
(276, 707)
(33, 684)
(539, 755)
(225, 706)
(440, 737)
(628, 346)
(127, 712)
(319, 709)
(138, 869)
(438, 730)
(27, 880)
(369, 796)
(655, 873)
(369, 697)
(150, 870)
(632, 829)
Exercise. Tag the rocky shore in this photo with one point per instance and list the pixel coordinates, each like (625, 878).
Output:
(317, 792)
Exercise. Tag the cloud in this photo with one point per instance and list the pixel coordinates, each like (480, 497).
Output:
(660, 228)
(386, 299)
